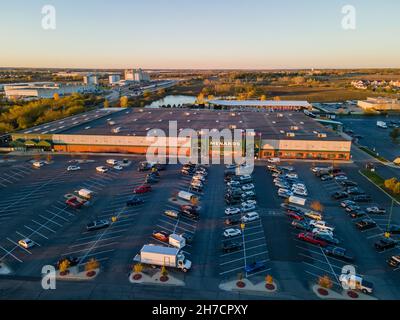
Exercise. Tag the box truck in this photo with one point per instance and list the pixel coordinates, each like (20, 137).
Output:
(158, 256)
(86, 193)
(297, 200)
(187, 196)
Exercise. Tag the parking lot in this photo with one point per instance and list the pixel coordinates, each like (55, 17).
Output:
(34, 207)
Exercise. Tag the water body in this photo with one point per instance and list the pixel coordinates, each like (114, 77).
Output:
(172, 100)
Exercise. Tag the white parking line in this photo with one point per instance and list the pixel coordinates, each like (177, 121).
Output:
(36, 232)
(90, 242)
(9, 253)
(83, 250)
(52, 221)
(42, 225)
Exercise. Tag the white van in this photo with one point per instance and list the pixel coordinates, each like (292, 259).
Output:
(274, 160)
(112, 162)
(187, 196)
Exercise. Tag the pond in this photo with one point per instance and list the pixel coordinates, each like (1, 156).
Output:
(172, 100)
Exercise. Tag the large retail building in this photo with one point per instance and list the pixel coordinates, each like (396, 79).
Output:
(286, 134)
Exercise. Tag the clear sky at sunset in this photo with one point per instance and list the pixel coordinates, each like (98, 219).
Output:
(200, 34)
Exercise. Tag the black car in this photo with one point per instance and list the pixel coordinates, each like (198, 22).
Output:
(233, 201)
(362, 198)
(366, 224)
(394, 229)
(135, 201)
(150, 179)
(340, 195)
(348, 183)
(97, 225)
(355, 191)
(328, 239)
(231, 246)
(302, 225)
(352, 208)
(338, 253)
(233, 221)
(189, 214)
(358, 214)
(385, 244)
(196, 188)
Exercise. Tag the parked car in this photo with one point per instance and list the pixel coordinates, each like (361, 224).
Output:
(231, 233)
(302, 225)
(394, 261)
(352, 208)
(250, 217)
(338, 253)
(233, 221)
(232, 211)
(26, 243)
(284, 193)
(249, 195)
(97, 225)
(161, 236)
(233, 184)
(341, 178)
(134, 201)
(326, 177)
(188, 237)
(310, 238)
(346, 203)
(355, 191)
(356, 214)
(231, 246)
(172, 214)
(102, 169)
(248, 187)
(295, 215)
(384, 244)
(73, 168)
(362, 198)
(340, 195)
(366, 224)
(313, 215)
(322, 225)
(376, 210)
(328, 238)
(142, 189)
(348, 183)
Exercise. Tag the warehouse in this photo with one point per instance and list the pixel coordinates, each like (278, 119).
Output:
(288, 135)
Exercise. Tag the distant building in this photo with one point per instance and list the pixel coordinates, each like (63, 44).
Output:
(137, 75)
(380, 104)
(258, 104)
(114, 79)
(40, 90)
(91, 79)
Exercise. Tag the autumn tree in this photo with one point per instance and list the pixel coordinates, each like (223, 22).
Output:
(317, 206)
(391, 184)
(263, 97)
(56, 97)
(106, 104)
(124, 102)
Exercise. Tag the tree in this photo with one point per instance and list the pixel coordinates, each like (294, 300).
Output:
(161, 92)
(64, 266)
(92, 265)
(56, 97)
(263, 97)
(317, 206)
(325, 282)
(396, 189)
(146, 94)
(395, 134)
(124, 102)
(277, 98)
(106, 104)
(391, 184)
(200, 98)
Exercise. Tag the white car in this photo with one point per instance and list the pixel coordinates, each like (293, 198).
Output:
(248, 187)
(112, 162)
(250, 217)
(26, 243)
(245, 179)
(73, 168)
(196, 183)
(118, 167)
(292, 176)
(248, 208)
(274, 160)
(233, 184)
(199, 177)
(232, 211)
(38, 164)
(321, 225)
(320, 232)
(102, 169)
(341, 178)
(230, 233)
(249, 203)
(300, 192)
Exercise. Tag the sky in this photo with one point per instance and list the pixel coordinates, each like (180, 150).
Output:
(200, 34)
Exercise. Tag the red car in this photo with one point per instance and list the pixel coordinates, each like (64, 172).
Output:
(74, 203)
(310, 238)
(142, 189)
(161, 236)
(294, 215)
